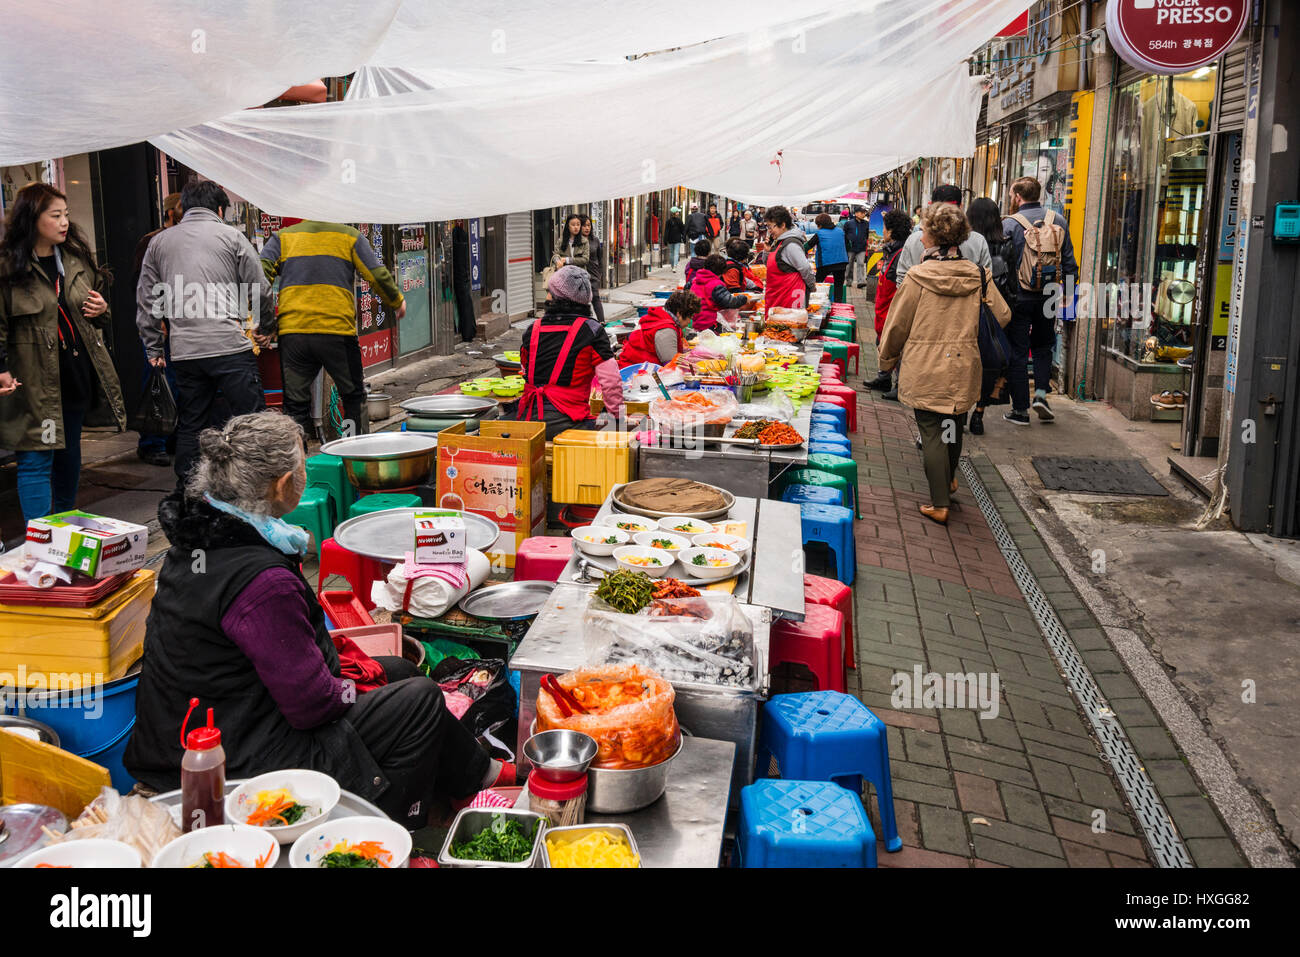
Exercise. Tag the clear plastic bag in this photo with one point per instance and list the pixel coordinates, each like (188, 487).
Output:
(631, 714)
(690, 409)
(703, 640)
(132, 819)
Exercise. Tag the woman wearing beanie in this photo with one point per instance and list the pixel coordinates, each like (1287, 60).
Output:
(565, 351)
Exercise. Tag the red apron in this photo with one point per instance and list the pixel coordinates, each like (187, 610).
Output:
(784, 290)
(640, 345)
(573, 400)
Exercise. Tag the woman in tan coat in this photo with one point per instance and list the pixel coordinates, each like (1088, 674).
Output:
(934, 323)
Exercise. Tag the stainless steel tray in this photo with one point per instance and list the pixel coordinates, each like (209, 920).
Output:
(472, 820)
(607, 563)
(576, 832)
(378, 446)
(388, 535)
(509, 601)
(651, 513)
(448, 406)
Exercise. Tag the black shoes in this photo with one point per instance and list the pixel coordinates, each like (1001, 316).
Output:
(891, 395)
(154, 457)
(883, 382)
(1016, 418)
(1044, 410)
(976, 423)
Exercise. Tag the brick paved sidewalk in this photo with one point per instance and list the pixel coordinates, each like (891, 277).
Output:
(1023, 788)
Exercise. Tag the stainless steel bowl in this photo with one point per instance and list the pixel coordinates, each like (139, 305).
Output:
(611, 791)
(561, 755)
(472, 820)
(386, 460)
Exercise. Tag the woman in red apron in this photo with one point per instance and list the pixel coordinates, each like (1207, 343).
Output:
(658, 336)
(789, 280)
(563, 353)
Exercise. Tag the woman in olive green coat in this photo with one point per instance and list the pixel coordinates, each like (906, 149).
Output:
(54, 367)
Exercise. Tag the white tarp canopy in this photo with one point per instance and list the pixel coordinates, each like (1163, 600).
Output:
(476, 109)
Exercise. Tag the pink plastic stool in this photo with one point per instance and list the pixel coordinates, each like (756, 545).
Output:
(850, 397)
(814, 642)
(542, 558)
(837, 595)
(360, 572)
(840, 366)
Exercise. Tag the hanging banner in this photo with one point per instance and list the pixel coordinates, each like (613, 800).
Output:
(1174, 36)
(1076, 183)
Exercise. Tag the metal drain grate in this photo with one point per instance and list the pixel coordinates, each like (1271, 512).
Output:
(1161, 836)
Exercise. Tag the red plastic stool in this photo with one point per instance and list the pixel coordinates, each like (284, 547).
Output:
(814, 642)
(542, 558)
(850, 396)
(855, 353)
(840, 366)
(846, 404)
(837, 595)
(360, 572)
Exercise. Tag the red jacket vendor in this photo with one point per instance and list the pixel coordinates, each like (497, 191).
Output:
(789, 274)
(563, 353)
(658, 336)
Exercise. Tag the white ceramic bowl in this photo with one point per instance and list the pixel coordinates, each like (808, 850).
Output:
(635, 523)
(599, 548)
(669, 523)
(91, 852)
(319, 841)
(732, 543)
(687, 557)
(646, 538)
(621, 555)
(244, 843)
(317, 791)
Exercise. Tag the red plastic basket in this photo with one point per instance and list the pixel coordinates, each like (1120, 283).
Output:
(344, 609)
(14, 591)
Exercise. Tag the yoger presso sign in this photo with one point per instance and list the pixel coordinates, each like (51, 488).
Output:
(1174, 36)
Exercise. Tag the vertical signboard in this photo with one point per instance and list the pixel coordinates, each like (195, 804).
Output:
(415, 329)
(476, 254)
(374, 321)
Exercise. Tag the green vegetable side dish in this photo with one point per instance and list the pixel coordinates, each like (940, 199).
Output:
(347, 859)
(661, 542)
(626, 591)
(684, 528)
(504, 841)
(699, 560)
(612, 540)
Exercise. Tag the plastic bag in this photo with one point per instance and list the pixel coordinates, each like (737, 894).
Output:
(156, 413)
(703, 640)
(630, 715)
(692, 409)
(776, 405)
(477, 692)
(133, 820)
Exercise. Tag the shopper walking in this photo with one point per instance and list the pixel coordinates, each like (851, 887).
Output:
(898, 227)
(154, 448)
(934, 325)
(203, 279)
(733, 226)
(748, 228)
(595, 267)
(54, 368)
(716, 236)
(857, 233)
(985, 219)
(1041, 254)
(317, 264)
(674, 235)
(974, 248)
(697, 225)
(462, 281)
(832, 253)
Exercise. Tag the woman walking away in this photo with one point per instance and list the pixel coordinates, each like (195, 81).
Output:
(986, 220)
(674, 235)
(898, 226)
(54, 368)
(832, 253)
(934, 324)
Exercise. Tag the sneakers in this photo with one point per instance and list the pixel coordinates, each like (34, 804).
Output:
(1044, 410)
(976, 423)
(1175, 399)
(1016, 418)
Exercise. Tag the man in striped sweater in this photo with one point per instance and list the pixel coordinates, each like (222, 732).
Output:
(316, 264)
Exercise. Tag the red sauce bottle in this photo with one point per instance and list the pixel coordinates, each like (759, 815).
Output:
(203, 775)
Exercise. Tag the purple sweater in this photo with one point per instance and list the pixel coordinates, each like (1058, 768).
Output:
(269, 622)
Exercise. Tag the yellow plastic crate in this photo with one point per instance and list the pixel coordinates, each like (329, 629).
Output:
(588, 464)
(104, 639)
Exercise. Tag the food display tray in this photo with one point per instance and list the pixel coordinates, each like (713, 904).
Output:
(652, 513)
(607, 563)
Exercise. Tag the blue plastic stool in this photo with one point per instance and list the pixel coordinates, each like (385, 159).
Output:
(803, 824)
(841, 414)
(315, 512)
(833, 526)
(815, 494)
(818, 420)
(828, 736)
(823, 434)
(827, 447)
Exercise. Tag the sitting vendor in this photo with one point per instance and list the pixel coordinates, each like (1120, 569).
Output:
(737, 276)
(563, 353)
(235, 624)
(658, 336)
(720, 308)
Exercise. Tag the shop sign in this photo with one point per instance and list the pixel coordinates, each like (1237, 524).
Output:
(1174, 36)
(475, 254)
(1027, 68)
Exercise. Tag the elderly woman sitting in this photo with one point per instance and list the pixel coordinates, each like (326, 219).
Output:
(235, 624)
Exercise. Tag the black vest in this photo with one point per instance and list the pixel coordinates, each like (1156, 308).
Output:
(213, 557)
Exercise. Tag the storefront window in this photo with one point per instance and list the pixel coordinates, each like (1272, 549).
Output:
(1156, 208)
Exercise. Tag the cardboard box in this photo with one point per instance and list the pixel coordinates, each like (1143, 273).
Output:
(91, 544)
(499, 474)
(439, 538)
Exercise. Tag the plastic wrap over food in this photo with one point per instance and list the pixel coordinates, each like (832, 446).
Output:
(629, 713)
(690, 409)
(707, 639)
(794, 318)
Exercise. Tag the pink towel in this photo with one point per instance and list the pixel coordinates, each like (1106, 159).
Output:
(453, 573)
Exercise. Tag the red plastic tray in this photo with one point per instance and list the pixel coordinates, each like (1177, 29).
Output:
(345, 609)
(14, 592)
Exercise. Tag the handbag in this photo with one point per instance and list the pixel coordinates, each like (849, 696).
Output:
(995, 348)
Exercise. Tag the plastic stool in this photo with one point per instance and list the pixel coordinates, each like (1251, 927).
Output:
(315, 512)
(817, 478)
(803, 824)
(825, 435)
(840, 415)
(842, 466)
(360, 572)
(827, 591)
(827, 447)
(840, 402)
(542, 558)
(816, 642)
(830, 422)
(826, 736)
(841, 335)
(833, 355)
(854, 353)
(833, 526)
(382, 502)
(815, 494)
(326, 471)
(850, 397)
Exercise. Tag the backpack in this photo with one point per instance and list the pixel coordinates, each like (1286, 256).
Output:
(1002, 253)
(1040, 260)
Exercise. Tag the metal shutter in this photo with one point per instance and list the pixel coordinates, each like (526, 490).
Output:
(519, 263)
(1231, 98)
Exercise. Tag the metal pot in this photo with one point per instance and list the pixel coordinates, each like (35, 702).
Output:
(386, 460)
(378, 404)
(611, 791)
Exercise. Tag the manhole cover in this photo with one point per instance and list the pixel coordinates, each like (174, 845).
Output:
(1102, 476)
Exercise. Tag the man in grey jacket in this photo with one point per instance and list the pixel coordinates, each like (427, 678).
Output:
(976, 249)
(204, 279)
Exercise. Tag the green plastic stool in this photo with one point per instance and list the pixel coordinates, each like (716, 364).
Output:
(326, 471)
(315, 512)
(839, 351)
(382, 502)
(846, 469)
(843, 335)
(814, 476)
